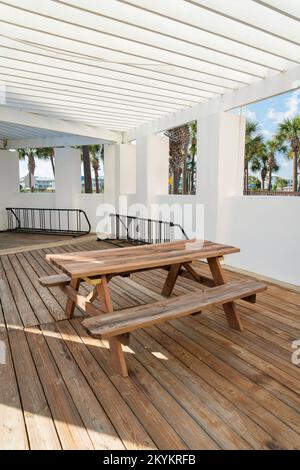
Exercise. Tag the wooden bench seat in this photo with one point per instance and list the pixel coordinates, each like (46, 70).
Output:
(55, 280)
(127, 320)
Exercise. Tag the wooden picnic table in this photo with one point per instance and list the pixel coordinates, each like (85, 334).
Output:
(99, 266)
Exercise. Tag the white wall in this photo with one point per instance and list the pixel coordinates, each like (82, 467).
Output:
(267, 231)
(152, 168)
(92, 205)
(9, 182)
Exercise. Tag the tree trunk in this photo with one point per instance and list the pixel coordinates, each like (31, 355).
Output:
(97, 180)
(295, 171)
(31, 171)
(263, 183)
(52, 164)
(88, 188)
(176, 178)
(193, 175)
(184, 178)
(270, 180)
(246, 175)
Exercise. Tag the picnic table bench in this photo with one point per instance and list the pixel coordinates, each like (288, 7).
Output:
(98, 267)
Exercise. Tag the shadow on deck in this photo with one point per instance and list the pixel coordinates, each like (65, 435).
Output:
(194, 383)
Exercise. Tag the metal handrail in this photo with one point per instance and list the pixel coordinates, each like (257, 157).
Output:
(142, 230)
(72, 222)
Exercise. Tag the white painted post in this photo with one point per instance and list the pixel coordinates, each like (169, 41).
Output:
(9, 183)
(220, 159)
(67, 178)
(119, 172)
(152, 168)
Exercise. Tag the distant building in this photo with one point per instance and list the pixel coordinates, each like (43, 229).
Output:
(40, 183)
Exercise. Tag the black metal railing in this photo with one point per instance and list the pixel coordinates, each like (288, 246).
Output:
(141, 231)
(72, 222)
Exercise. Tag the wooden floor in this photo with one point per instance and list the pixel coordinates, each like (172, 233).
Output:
(194, 383)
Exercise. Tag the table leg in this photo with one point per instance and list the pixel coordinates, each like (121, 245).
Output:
(232, 315)
(171, 280)
(115, 344)
(70, 305)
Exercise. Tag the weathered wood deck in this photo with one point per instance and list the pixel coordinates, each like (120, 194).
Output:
(194, 383)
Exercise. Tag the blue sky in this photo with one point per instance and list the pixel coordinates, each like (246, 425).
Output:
(268, 113)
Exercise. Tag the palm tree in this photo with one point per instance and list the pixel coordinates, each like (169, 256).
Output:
(46, 153)
(288, 134)
(95, 153)
(179, 138)
(87, 169)
(193, 152)
(253, 141)
(31, 154)
(259, 162)
(271, 147)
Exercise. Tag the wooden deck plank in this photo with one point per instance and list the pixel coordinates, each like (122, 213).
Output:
(158, 426)
(40, 310)
(24, 308)
(200, 384)
(54, 309)
(70, 428)
(134, 435)
(9, 308)
(194, 383)
(99, 427)
(12, 426)
(39, 424)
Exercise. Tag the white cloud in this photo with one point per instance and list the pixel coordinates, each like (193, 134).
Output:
(267, 134)
(247, 113)
(292, 108)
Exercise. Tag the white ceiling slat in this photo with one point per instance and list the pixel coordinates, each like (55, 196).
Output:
(23, 83)
(139, 38)
(122, 70)
(90, 86)
(65, 73)
(146, 20)
(290, 8)
(44, 99)
(130, 64)
(107, 59)
(92, 71)
(113, 44)
(255, 15)
(34, 106)
(20, 88)
(191, 14)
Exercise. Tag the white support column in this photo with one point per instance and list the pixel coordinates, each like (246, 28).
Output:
(119, 172)
(152, 168)
(67, 177)
(9, 183)
(221, 141)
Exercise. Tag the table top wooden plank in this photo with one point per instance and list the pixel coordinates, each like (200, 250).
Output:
(120, 260)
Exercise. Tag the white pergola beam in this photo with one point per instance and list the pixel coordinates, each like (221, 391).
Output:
(17, 116)
(277, 85)
(66, 141)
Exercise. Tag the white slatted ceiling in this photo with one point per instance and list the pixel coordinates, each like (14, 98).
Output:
(121, 64)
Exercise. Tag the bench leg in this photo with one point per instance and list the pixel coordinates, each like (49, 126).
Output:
(232, 315)
(171, 280)
(92, 295)
(70, 305)
(115, 344)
